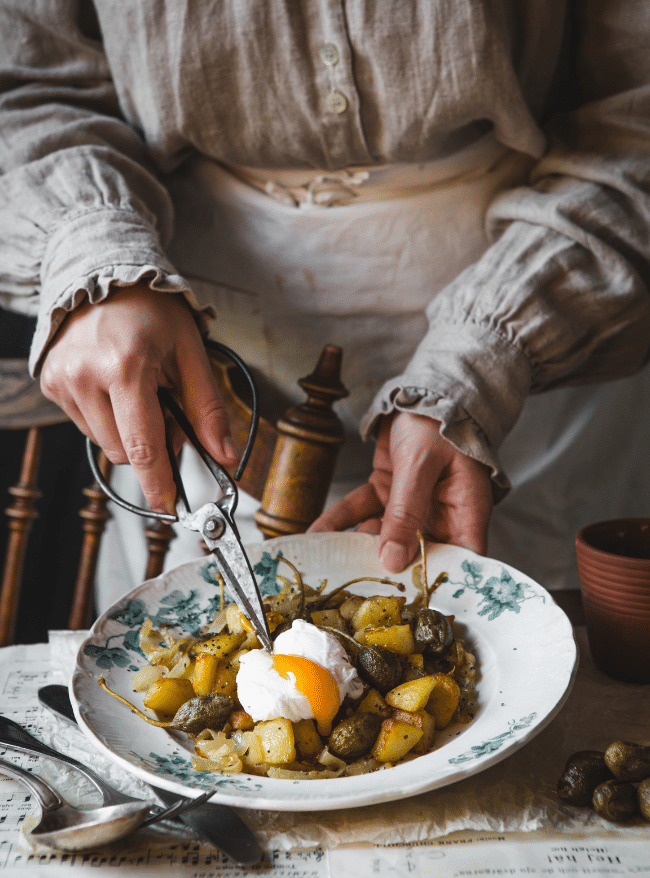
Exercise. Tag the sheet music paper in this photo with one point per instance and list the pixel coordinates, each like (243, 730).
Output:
(152, 852)
(23, 669)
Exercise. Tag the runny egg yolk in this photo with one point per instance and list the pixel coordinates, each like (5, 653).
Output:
(317, 685)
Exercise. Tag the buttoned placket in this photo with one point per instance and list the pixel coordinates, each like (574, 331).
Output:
(341, 118)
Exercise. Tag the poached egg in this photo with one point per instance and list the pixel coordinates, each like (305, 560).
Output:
(307, 677)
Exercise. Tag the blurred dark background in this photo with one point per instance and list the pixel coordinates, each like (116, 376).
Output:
(55, 537)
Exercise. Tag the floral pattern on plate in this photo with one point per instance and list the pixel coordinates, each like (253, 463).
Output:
(507, 619)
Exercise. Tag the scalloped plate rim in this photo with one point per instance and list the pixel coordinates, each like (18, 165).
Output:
(473, 754)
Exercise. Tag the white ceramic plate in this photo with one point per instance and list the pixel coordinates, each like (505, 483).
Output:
(523, 642)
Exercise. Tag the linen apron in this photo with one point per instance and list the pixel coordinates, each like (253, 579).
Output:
(292, 261)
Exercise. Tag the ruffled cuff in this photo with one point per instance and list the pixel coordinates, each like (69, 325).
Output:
(471, 380)
(92, 253)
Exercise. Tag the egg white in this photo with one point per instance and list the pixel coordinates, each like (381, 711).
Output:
(265, 694)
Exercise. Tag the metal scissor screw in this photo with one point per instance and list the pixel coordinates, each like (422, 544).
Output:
(214, 528)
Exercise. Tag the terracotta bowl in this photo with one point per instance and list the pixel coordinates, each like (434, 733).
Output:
(626, 538)
(616, 609)
(622, 598)
(635, 577)
(614, 568)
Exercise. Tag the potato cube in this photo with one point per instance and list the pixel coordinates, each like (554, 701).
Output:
(165, 696)
(308, 742)
(235, 657)
(395, 740)
(350, 605)
(414, 666)
(378, 612)
(328, 619)
(397, 638)
(234, 619)
(277, 740)
(421, 720)
(226, 679)
(221, 645)
(146, 676)
(443, 701)
(241, 721)
(412, 695)
(374, 702)
(205, 673)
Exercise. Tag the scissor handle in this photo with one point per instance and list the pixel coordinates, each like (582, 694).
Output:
(223, 478)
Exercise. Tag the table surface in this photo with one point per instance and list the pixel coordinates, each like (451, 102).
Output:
(505, 821)
(570, 601)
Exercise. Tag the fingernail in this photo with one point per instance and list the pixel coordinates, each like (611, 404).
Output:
(394, 557)
(229, 449)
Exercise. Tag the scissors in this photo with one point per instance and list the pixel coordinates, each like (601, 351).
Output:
(213, 521)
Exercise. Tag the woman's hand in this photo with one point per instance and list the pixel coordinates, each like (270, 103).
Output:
(104, 368)
(420, 482)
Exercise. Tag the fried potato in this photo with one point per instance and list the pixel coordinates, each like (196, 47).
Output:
(421, 720)
(221, 645)
(443, 701)
(397, 638)
(378, 612)
(374, 702)
(395, 740)
(328, 619)
(205, 673)
(308, 742)
(226, 678)
(277, 740)
(412, 695)
(165, 696)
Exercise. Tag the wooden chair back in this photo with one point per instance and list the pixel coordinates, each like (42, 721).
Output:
(290, 471)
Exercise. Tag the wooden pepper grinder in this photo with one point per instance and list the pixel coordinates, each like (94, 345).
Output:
(309, 438)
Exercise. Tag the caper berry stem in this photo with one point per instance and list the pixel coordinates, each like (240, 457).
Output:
(153, 722)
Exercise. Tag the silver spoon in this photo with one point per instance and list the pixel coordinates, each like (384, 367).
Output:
(68, 829)
(16, 737)
(217, 824)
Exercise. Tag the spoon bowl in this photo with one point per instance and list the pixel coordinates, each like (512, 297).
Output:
(66, 828)
(17, 738)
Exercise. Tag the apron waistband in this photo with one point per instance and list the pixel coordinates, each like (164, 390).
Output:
(314, 188)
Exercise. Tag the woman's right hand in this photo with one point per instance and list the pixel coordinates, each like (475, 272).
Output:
(104, 368)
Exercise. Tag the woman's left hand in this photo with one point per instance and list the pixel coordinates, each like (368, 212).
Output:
(420, 483)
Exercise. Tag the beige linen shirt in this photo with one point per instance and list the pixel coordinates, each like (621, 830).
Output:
(98, 101)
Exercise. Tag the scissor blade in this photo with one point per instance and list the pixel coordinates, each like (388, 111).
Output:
(217, 528)
(247, 600)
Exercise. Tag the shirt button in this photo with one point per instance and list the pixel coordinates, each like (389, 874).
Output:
(329, 54)
(336, 102)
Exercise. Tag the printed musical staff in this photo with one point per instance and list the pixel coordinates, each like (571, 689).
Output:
(20, 680)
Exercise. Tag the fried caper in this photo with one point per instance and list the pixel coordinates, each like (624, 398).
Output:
(584, 771)
(615, 800)
(353, 737)
(643, 792)
(376, 665)
(379, 667)
(433, 632)
(628, 761)
(203, 712)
